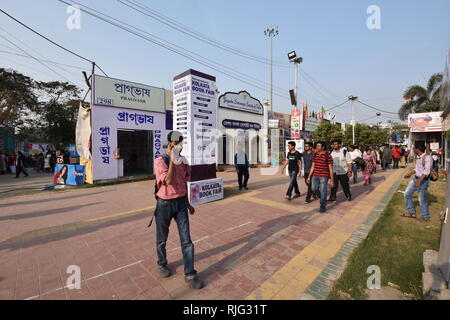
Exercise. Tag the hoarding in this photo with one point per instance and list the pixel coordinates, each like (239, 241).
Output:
(426, 119)
(241, 101)
(125, 94)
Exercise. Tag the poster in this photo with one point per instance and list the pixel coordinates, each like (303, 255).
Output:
(205, 191)
(295, 124)
(69, 174)
(194, 115)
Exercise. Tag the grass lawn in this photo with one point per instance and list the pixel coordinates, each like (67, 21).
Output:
(396, 245)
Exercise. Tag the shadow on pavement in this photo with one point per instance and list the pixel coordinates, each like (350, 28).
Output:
(52, 199)
(46, 212)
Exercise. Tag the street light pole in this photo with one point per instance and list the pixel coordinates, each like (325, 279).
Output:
(271, 33)
(352, 98)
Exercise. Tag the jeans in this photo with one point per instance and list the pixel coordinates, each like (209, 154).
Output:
(165, 211)
(344, 180)
(355, 172)
(396, 161)
(309, 193)
(293, 183)
(319, 187)
(423, 200)
(385, 165)
(19, 170)
(242, 172)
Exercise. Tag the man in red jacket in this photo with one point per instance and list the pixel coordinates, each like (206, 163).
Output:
(396, 155)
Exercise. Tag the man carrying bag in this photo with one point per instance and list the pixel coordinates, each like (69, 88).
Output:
(172, 203)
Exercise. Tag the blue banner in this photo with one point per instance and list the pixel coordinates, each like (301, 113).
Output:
(70, 174)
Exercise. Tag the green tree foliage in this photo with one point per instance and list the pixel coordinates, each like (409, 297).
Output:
(40, 111)
(364, 135)
(422, 99)
(57, 111)
(16, 97)
(326, 132)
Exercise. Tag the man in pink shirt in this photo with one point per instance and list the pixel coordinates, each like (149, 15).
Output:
(171, 172)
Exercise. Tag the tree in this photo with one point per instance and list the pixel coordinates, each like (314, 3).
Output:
(16, 97)
(366, 135)
(326, 132)
(57, 111)
(420, 99)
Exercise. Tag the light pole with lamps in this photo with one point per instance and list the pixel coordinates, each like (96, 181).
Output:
(271, 33)
(292, 56)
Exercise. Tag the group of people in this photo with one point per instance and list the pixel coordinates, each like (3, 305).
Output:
(14, 163)
(319, 167)
(17, 163)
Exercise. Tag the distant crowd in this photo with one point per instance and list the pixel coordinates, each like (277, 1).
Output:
(17, 163)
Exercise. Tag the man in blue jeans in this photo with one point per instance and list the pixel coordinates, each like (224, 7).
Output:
(321, 172)
(420, 182)
(294, 163)
(171, 172)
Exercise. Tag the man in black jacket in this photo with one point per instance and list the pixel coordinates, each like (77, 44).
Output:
(20, 164)
(241, 164)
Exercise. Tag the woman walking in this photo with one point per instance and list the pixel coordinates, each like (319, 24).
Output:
(370, 167)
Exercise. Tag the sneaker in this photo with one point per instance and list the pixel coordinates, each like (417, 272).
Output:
(194, 282)
(322, 210)
(287, 197)
(245, 188)
(349, 198)
(164, 272)
(307, 200)
(297, 195)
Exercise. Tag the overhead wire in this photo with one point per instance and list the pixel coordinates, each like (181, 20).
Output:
(44, 60)
(51, 41)
(195, 34)
(165, 44)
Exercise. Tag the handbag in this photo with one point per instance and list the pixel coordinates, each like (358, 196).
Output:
(434, 175)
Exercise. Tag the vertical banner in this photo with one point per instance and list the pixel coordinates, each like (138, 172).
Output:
(195, 112)
(295, 123)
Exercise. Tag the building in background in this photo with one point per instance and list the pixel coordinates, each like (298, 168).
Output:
(239, 117)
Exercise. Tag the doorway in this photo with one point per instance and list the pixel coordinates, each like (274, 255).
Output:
(136, 150)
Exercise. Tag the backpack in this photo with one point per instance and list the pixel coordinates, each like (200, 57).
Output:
(434, 175)
(167, 162)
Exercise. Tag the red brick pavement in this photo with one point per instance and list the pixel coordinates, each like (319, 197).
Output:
(238, 244)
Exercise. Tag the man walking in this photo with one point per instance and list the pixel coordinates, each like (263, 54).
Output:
(354, 153)
(420, 182)
(307, 157)
(321, 172)
(241, 164)
(294, 163)
(342, 170)
(172, 203)
(20, 164)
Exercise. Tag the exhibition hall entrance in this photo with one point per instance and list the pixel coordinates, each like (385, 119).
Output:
(136, 151)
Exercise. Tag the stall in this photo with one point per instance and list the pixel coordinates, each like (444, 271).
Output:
(128, 126)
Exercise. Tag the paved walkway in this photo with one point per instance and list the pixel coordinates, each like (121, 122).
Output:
(251, 245)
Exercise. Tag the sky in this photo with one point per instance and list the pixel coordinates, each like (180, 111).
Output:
(341, 55)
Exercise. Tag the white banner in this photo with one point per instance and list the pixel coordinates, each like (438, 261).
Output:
(83, 132)
(125, 94)
(205, 191)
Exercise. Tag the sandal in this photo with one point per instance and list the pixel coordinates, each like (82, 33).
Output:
(423, 220)
(408, 215)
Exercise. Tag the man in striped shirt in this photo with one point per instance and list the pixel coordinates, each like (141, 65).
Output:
(321, 172)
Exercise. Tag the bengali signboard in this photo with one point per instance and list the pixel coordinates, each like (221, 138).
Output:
(205, 191)
(241, 101)
(125, 94)
(274, 123)
(237, 124)
(194, 115)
